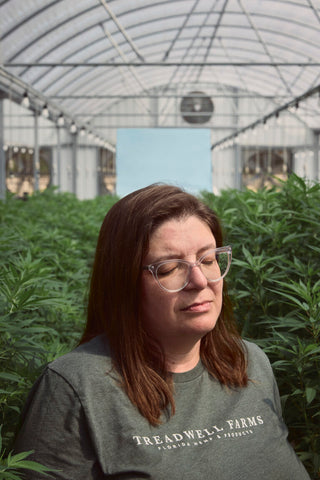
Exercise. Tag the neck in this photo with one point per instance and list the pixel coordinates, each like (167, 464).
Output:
(183, 360)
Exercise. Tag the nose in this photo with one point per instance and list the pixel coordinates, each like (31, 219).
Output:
(197, 279)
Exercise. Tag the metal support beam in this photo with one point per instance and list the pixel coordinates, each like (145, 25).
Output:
(277, 111)
(74, 162)
(2, 155)
(160, 64)
(237, 147)
(165, 95)
(155, 111)
(316, 146)
(58, 159)
(36, 156)
(98, 172)
(237, 167)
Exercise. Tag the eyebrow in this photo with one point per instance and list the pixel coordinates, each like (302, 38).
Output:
(173, 256)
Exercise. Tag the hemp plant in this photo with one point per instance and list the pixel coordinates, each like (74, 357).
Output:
(274, 283)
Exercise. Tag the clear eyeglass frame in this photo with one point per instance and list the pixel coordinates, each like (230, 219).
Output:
(154, 267)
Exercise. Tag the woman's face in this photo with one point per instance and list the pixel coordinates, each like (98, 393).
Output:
(179, 320)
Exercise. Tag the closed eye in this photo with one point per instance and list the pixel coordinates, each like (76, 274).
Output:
(167, 269)
(209, 259)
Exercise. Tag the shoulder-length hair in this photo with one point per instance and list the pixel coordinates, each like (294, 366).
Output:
(114, 300)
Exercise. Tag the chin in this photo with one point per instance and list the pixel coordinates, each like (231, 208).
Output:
(202, 325)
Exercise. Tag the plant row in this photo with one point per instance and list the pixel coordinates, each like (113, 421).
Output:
(274, 283)
(46, 252)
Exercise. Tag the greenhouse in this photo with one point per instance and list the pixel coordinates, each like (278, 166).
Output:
(101, 97)
(72, 75)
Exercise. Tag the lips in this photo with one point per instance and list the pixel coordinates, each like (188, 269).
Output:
(198, 307)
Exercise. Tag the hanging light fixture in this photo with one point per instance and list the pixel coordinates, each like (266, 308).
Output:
(25, 101)
(73, 128)
(278, 117)
(60, 120)
(82, 131)
(45, 111)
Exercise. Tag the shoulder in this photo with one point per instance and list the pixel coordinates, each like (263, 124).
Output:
(84, 364)
(258, 363)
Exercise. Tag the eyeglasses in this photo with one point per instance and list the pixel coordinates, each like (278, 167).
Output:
(173, 275)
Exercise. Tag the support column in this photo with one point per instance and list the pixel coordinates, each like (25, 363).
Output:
(74, 162)
(99, 172)
(58, 159)
(237, 147)
(237, 166)
(155, 110)
(316, 146)
(36, 161)
(2, 155)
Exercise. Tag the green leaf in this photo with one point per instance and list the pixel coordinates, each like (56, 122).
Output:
(9, 475)
(310, 394)
(11, 377)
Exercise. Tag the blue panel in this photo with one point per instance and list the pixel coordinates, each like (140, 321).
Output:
(177, 156)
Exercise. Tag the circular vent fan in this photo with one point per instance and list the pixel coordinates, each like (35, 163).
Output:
(196, 107)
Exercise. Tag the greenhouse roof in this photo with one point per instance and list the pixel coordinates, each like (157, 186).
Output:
(82, 58)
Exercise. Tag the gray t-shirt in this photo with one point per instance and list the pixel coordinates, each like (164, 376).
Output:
(78, 420)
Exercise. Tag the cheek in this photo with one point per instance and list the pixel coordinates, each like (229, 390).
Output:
(217, 287)
(152, 301)
(218, 293)
(157, 307)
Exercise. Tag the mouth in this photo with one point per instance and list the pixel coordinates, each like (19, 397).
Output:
(198, 307)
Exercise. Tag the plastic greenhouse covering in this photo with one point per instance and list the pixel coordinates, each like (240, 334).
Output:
(93, 59)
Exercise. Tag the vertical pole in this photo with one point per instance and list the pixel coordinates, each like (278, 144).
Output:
(58, 158)
(99, 172)
(155, 110)
(237, 147)
(2, 155)
(36, 163)
(316, 138)
(237, 166)
(74, 162)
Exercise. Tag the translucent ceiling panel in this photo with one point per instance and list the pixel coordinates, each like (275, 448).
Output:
(64, 48)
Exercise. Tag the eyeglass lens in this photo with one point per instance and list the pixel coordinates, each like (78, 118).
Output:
(173, 275)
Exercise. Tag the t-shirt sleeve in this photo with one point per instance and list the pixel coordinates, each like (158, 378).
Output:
(55, 428)
(271, 376)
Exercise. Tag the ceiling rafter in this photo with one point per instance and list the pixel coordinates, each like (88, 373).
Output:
(263, 43)
(84, 12)
(179, 30)
(237, 70)
(269, 50)
(70, 55)
(314, 9)
(133, 73)
(37, 39)
(83, 32)
(26, 19)
(244, 63)
(122, 29)
(213, 37)
(186, 53)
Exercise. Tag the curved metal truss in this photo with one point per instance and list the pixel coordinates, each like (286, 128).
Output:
(103, 62)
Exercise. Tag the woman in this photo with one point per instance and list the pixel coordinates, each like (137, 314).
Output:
(162, 386)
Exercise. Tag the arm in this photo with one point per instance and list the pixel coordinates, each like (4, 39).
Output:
(55, 427)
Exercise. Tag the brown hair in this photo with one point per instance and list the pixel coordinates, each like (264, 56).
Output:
(114, 300)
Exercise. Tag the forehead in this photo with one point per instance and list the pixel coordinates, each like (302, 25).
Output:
(181, 237)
